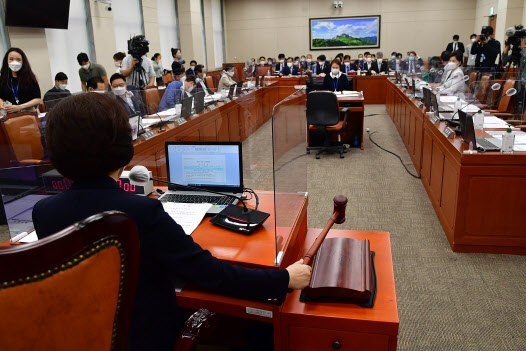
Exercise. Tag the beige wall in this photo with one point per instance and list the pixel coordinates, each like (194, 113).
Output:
(257, 28)
(151, 26)
(190, 30)
(103, 36)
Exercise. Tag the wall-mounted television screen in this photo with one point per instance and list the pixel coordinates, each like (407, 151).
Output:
(37, 13)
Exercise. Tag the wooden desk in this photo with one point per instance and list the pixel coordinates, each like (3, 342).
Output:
(479, 198)
(373, 87)
(316, 326)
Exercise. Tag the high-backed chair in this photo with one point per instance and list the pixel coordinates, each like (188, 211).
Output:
(73, 290)
(151, 99)
(210, 83)
(483, 88)
(23, 137)
(168, 78)
(323, 119)
(471, 81)
(502, 108)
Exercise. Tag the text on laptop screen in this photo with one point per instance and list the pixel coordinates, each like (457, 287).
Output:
(204, 165)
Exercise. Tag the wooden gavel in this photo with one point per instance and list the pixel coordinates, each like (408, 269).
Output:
(338, 217)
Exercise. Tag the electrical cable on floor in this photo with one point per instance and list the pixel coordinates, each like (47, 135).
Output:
(372, 114)
(392, 153)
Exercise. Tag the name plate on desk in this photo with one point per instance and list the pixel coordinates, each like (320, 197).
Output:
(212, 107)
(449, 133)
(411, 97)
(245, 92)
(419, 104)
(227, 100)
(435, 119)
(148, 135)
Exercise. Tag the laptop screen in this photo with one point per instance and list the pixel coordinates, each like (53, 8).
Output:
(434, 102)
(209, 165)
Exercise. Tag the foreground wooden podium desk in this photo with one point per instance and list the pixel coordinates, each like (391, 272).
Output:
(479, 198)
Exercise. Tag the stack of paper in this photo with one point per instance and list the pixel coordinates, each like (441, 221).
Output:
(188, 216)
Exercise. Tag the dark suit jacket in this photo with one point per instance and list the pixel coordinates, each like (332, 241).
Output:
(190, 72)
(200, 87)
(366, 67)
(460, 47)
(488, 52)
(286, 71)
(326, 68)
(137, 104)
(404, 65)
(384, 67)
(340, 83)
(166, 253)
(360, 64)
(346, 69)
(278, 66)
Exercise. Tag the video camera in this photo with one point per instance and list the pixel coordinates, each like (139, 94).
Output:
(515, 34)
(138, 46)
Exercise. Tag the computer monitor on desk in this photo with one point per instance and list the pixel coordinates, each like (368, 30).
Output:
(199, 101)
(186, 108)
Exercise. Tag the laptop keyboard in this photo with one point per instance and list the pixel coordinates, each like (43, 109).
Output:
(487, 145)
(198, 199)
(446, 116)
(444, 109)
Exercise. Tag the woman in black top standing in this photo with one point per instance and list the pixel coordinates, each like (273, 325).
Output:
(336, 80)
(18, 83)
(178, 63)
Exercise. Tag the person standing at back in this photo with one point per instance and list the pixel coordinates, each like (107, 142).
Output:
(19, 89)
(88, 70)
(158, 68)
(178, 62)
(117, 60)
(455, 45)
(471, 58)
(487, 49)
(323, 66)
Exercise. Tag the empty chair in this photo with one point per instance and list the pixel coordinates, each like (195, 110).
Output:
(323, 119)
(152, 100)
(24, 138)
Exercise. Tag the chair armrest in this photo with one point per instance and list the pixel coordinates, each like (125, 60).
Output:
(199, 323)
(514, 122)
(492, 111)
(345, 114)
(34, 162)
(502, 114)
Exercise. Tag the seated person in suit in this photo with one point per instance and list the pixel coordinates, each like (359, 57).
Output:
(188, 88)
(172, 92)
(302, 61)
(200, 75)
(289, 69)
(226, 77)
(348, 66)
(368, 65)
(335, 80)
(436, 70)
(359, 62)
(262, 61)
(323, 67)
(380, 65)
(281, 63)
(413, 64)
(58, 92)
(96, 84)
(167, 252)
(309, 66)
(454, 75)
(297, 61)
(191, 70)
(392, 61)
(131, 102)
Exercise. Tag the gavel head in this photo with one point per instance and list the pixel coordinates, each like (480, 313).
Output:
(340, 203)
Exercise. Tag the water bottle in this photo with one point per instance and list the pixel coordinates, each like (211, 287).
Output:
(478, 120)
(508, 140)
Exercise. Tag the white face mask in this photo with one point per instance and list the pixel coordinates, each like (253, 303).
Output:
(361, 59)
(15, 66)
(119, 91)
(450, 66)
(289, 64)
(188, 90)
(231, 74)
(192, 68)
(117, 64)
(270, 62)
(379, 61)
(99, 91)
(281, 61)
(473, 40)
(204, 75)
(309, 60)
(369, 59)
(86, 66)
(262, 62)
(335, 71)
(297, 63)
(347, 63)
(62, 86)
(303, 59)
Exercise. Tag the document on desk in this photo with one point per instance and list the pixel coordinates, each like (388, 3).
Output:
(448, 98)
(188, 216)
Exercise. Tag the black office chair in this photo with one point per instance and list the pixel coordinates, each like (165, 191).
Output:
(323, 118)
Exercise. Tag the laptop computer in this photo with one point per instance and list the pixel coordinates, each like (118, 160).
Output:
(186, 108)
(231, 91)
(199, 101)
(417, 94)
(239, 87)
(436, 108)
(468, 134)
(134, 124)
(261, 81)
(215, 166)
(427, 97)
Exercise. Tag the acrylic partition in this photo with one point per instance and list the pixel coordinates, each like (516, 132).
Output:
(289, 128)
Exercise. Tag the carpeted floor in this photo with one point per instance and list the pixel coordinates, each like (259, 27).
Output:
(446, 300)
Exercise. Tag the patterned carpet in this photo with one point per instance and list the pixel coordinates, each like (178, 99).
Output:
(446, 300)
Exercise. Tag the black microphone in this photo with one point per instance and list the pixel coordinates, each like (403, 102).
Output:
(159, 124)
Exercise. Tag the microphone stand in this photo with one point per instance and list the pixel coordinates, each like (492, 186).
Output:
(456, 124)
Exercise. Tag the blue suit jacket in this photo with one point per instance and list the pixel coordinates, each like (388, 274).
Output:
(286, 71)
(346, 69)
(171, 96)
(278, 66)
(166, 253)
(326, 68)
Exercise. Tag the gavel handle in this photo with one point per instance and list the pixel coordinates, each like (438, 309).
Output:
(319, 240)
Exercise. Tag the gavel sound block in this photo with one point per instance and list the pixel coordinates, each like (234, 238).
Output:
(341, 266)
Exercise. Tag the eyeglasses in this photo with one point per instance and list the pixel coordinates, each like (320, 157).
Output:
(122, 85)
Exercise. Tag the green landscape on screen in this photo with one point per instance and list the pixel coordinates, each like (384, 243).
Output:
(353, 32)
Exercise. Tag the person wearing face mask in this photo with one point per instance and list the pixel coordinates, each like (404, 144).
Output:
(359, 62)
(368, 65)
(455, 45)
(309, 66)
(380, 65)
(302, 60)
(188, 88)
(323, 67)
(117, 60)
(262, 61)
(413, 64)
(191, 70)
(281, 62)
(131, 103)
(289, 69)
(95, 85)
(19, 90)
(58, 92)
(89, 69)
(158, 69)
(226, 78)
(348, 66)
(335, 80)
(297, 61)
(454, 76)
(200, 75)
(171, 94)
(177, 56)
(392, 61)
(471, 58)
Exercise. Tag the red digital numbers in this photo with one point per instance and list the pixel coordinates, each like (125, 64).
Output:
(63, 184)
(126, 186)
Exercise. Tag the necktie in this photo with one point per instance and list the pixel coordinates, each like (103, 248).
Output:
(411, 70)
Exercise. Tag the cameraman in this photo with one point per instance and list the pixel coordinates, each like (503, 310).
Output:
(507, 58)
(486, 48)
(136, 67)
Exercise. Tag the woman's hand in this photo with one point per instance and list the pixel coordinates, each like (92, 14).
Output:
(13, 108)
(299, 275)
